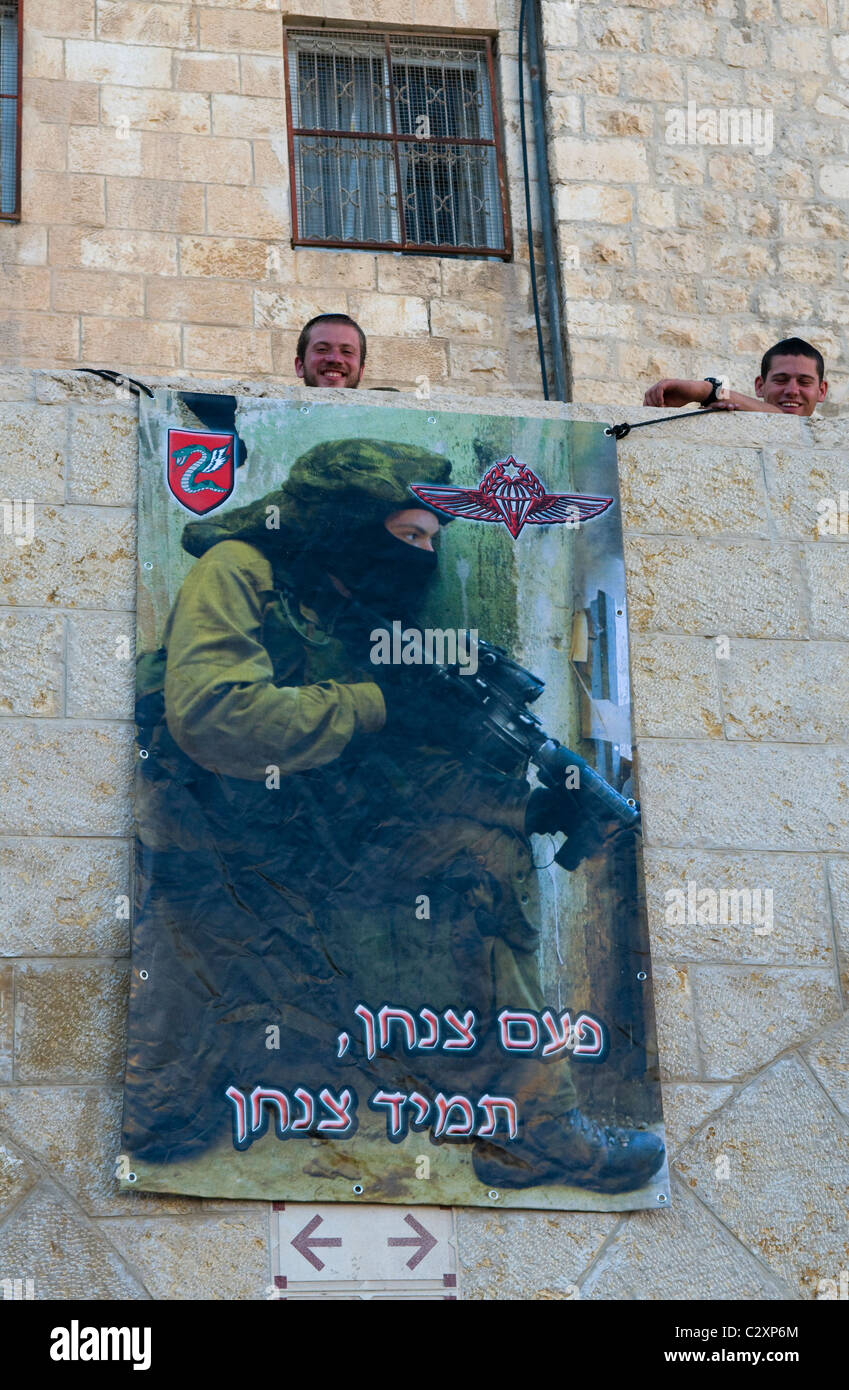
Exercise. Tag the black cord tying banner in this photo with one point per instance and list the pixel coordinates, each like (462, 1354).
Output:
(620, 431)
(118, 379)
(215, 412)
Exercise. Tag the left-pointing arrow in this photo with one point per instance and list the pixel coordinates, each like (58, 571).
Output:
(305, 1239)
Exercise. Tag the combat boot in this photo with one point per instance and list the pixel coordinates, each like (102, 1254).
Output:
(574, 1151)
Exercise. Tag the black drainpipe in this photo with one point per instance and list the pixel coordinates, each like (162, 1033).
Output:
(528, 16)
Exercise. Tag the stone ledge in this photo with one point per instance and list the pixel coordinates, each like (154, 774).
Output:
(719, 430)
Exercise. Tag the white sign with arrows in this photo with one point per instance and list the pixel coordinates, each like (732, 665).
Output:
(341, 1251)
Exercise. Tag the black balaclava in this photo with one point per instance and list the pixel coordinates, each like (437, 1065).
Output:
(384, 572)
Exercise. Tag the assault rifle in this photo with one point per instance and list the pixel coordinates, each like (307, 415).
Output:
(500, 692)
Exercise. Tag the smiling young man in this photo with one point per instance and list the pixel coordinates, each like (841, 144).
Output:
(331, 351)
(791, 382)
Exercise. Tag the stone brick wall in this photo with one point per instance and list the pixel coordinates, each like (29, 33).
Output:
(156, 223)
(740, 652)
(683, 258)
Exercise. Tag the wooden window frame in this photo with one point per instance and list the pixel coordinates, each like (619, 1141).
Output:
(15, 216)
(396, 139)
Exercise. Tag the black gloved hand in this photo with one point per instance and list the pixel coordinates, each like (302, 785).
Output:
(409, 701)
(548, 811)
(423, 710)
(587, 840)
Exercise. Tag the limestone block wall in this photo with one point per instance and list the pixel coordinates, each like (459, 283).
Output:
(156, 227)
(682, 254)
(740, 653)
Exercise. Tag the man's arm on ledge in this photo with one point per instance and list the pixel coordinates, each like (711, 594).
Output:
(673, 392)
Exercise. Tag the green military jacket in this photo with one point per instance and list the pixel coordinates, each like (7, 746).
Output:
(231, 655)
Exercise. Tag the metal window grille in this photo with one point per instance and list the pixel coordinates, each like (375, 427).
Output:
(11, 39)
(394, 143)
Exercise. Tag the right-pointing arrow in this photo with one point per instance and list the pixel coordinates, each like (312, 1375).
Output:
(423, 1239)
(305, 1238)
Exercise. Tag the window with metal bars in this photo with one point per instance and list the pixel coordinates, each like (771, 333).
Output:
(394, 143)
(11, 38)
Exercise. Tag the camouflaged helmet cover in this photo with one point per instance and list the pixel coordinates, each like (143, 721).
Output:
(332, 490)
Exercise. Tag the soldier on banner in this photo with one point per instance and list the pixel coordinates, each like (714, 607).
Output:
(296, 804)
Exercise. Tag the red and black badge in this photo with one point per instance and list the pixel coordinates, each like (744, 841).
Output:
(513, 494)
(201, 468)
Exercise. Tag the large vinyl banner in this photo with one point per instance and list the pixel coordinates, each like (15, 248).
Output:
(389, 942)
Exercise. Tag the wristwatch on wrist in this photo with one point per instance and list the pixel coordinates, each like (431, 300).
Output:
(716, 387)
